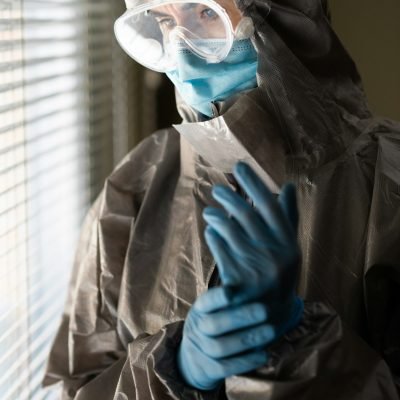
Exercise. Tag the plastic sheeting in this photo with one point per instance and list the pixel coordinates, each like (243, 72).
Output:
(142, 258)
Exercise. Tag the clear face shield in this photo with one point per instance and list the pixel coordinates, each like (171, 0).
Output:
(151, 32)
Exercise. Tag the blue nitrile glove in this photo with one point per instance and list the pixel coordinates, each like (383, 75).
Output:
(220, 339)
(256, 249)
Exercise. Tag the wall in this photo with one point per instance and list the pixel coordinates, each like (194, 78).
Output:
(370, 30)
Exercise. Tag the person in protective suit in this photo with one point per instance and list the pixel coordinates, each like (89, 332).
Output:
(193, 282)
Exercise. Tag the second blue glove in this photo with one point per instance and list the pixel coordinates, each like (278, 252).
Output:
(256, 248)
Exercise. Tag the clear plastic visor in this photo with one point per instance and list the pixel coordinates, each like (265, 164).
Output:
(152, 33)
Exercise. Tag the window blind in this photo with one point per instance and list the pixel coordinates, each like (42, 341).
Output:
(60, 121)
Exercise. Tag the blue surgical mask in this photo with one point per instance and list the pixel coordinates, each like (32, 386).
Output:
(199, 82)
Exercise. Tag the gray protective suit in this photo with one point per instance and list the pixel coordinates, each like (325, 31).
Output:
(142, 259)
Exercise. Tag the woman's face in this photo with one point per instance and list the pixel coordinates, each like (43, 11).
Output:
(199, 19)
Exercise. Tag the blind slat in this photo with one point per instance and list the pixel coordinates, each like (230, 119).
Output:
(56, 117)
(43, 338)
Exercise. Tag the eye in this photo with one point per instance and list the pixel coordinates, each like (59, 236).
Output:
(166, 22)
(208, 13)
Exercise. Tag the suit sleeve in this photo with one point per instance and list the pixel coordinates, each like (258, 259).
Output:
(88, 357)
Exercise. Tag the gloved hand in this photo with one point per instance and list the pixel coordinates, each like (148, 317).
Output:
(220, 339)
(256, 249)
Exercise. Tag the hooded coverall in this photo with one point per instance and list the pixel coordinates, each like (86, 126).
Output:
(142, 258)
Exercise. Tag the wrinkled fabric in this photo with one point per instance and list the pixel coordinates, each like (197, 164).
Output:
(214, 141)
(142, 259)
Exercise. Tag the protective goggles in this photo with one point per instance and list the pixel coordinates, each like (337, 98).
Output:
(152, 32)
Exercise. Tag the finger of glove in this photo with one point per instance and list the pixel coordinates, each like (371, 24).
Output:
(197, 369)
(264, 201)
(288, 202)
(245, 215)
(232, 319)
(238, 365)
(212, 300)
(237, 342)
(236, 274)
(227, 228)
(204, 372)
(245, 263)
(228, 270)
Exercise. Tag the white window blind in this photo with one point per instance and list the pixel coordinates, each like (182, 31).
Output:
(56, 144)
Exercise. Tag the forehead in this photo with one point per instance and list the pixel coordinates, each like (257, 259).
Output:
(179, 10)
(228, 5)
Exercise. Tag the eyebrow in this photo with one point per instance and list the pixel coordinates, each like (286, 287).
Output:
(188, 6)
(158, 14)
